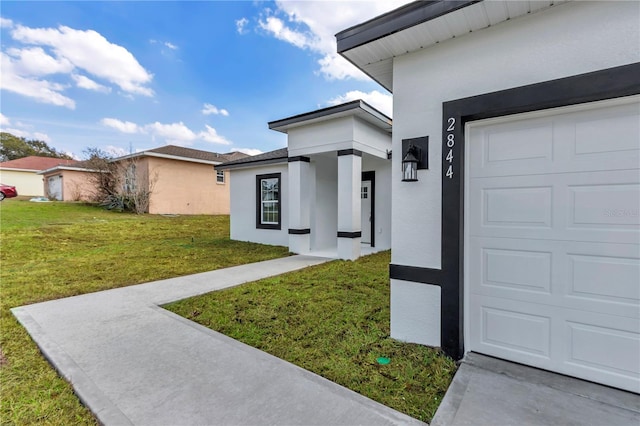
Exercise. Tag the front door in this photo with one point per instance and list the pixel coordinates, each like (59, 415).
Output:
(365, 211)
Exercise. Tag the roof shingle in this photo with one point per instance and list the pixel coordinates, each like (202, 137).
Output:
(35, 162)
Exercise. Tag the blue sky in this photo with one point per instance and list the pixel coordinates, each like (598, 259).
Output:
(205, 74)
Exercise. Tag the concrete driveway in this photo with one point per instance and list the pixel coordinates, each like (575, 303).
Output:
(489, 391)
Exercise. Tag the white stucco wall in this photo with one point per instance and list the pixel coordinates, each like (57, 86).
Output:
(336, 134)
(324, 216)
(243, 206)
(565, 40)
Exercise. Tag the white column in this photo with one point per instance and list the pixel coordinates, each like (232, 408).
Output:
(299, 205)
(349, 182)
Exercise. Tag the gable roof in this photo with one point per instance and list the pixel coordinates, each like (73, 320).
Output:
(357, 108)
(35, 163)
(278, 156)
(181, 153)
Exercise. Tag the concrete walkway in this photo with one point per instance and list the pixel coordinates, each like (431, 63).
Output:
(490, 391)
(132, 362)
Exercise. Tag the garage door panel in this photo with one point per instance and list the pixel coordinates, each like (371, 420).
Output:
(519, 329)
(552, 252)
(605, 278)
(613, 206)
(565, 206)
(603, 348)
(598, 140)
(600, 278)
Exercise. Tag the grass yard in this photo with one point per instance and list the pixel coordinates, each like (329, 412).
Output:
(331, 319)
(54, 250)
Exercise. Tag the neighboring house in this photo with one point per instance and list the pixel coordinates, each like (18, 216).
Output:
(521, 239)
(183, 180)
(328, 193)
(72, 182)
(23, 173)
(180, 180)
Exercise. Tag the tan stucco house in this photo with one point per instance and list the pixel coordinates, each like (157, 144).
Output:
(23, 173)
(180, 180)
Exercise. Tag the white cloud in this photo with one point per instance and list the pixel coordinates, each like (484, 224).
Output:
(116, 151)
(122, 126)
(4, 120)
(313, 24)
(209, 109)
(86, 83)
(241, 24)
(36, 62)
(210, 135)
(92, 52)
(170, 45)
(41, 90)
(6, 23)
(277, 28)
(249, 151)
(41, 137)
(380, 101)
(176, 133)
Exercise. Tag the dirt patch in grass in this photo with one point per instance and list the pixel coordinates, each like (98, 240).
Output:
(333, 320)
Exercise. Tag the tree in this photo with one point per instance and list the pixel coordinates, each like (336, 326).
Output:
(14, 147)
(120, 184)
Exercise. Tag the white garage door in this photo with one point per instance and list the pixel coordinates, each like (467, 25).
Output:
(553, 240)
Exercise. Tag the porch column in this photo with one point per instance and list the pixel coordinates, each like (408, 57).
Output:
(349, 182)
(299, 205)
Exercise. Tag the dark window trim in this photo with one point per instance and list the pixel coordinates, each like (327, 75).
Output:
(371, 177)
(259, 224)
(584, 88)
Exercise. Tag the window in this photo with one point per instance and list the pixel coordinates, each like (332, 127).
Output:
(220, 176)
(130, 183)
(268, 201)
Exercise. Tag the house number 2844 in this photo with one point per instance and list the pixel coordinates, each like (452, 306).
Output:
(451, 142)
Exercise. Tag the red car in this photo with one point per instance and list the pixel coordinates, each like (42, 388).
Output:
(7, 191)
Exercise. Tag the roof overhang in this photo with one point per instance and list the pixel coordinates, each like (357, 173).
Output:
(356, 108)
(372, 45)
(14, 169)
(75, 169)
(166, 156)
(250, 164)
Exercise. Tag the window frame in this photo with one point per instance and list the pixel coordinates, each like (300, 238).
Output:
(259, 202)
(220, 173)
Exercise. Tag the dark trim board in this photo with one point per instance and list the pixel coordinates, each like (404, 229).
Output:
(299, 158)
(355, 152)
(584, 88)
(299, 231)
(371, 177)
(344, 234)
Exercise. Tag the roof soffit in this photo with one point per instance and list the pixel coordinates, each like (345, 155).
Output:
(397, 35)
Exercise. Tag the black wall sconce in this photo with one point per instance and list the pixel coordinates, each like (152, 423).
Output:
(415, 157)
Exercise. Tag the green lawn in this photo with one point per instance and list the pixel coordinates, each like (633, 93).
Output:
(54, 250)
(332, 319)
